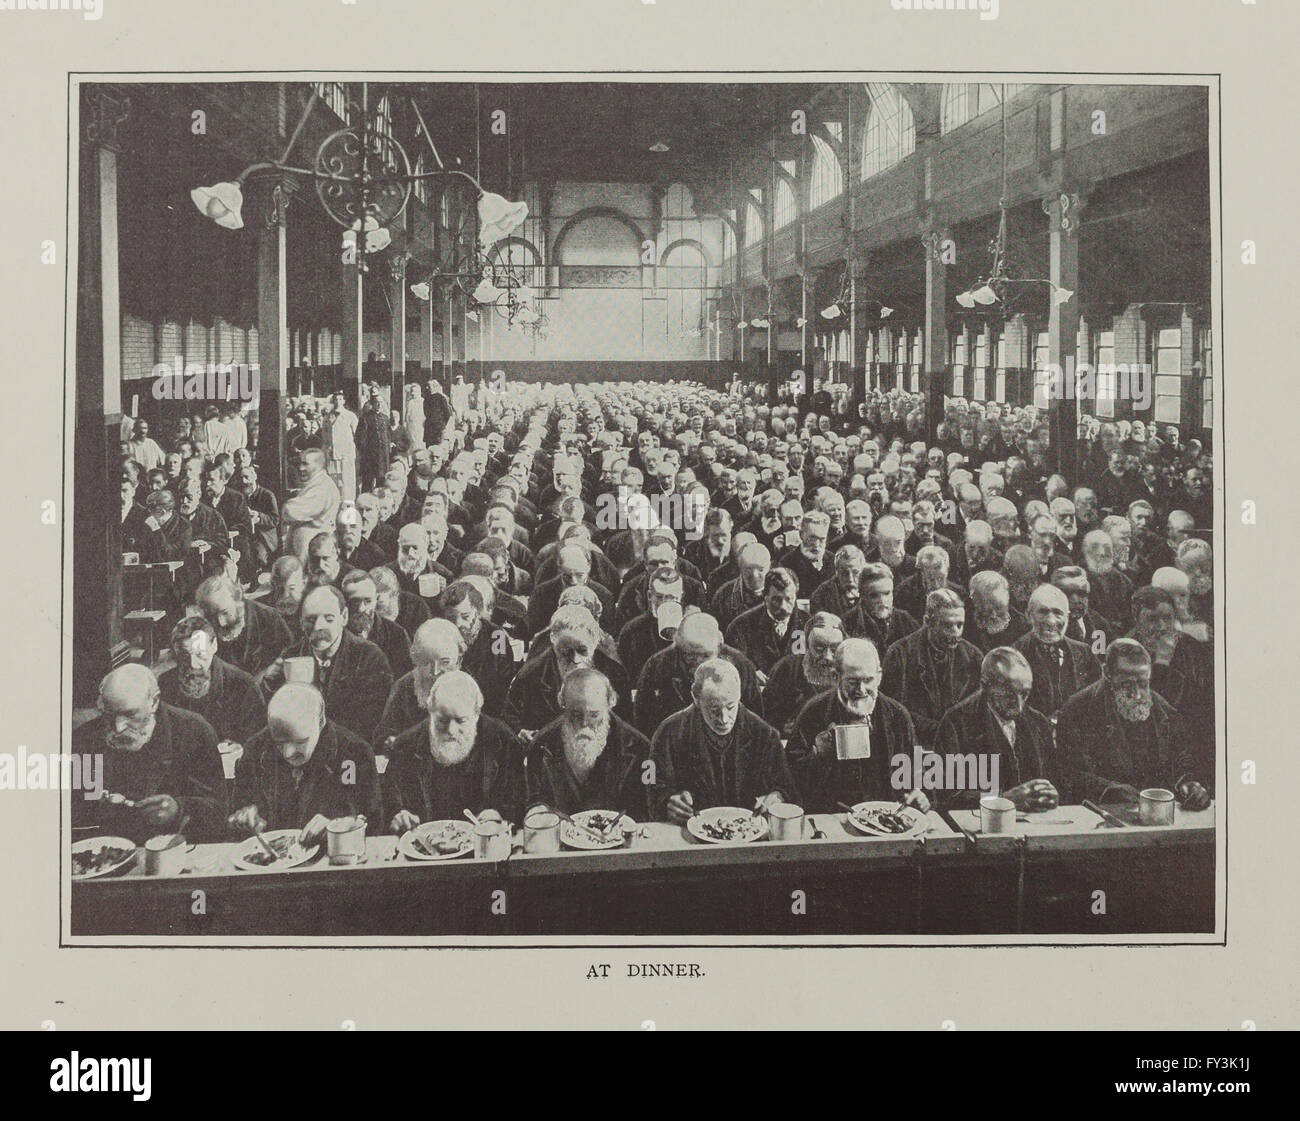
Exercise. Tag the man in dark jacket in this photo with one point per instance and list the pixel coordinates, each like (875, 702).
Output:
(716, 753)
(587, 758)
(364, 621)
(162, 759)
(1061, 666)
(252, 635)
(457, 760)
(223, 694)
(351, 673)
(996, 723)
(876, 617)
(824, 779)
(1116, 737)
(932, 669)
(303, 770)
(766, 633)
(797, 678)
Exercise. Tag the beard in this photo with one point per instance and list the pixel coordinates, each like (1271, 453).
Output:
(408, 567)
(1200, 585)
(132, 739)
(195, 684)
(993, 624)
(286, 604)
(471, 632)
(235, 629)
(361, 623)
(387, 608)
(450, 748)
(583, 746)
(1134, 705)
(859, 706)
(818, 674)
(1099, 567)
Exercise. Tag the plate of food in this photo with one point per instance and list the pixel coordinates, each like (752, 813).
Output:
(289, 852)
(887, 819)
(437, 840)
(727, 825)
(606, 823)
(100, 856)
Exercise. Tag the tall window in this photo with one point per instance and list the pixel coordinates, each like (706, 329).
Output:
(1168, 345)
(753, 223)
(889, 134)
(827, 180)
(1000, 376)
(981, 365)
(1207, 379)
(964, 101)
(728, 237)
(1104, 360)
(959, 364)
(786, 208)
(335, 95)
(1041, 354)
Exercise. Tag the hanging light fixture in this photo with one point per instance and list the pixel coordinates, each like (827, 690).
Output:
(222, 202)
(421, 291)
(498, 218)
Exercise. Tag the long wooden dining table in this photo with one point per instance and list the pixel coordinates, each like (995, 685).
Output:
(1060, 872)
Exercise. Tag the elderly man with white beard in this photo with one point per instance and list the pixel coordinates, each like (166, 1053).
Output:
(162, 760)
(842, 592)
(458, 759)
(413, 562)
(302, 770)
(975, 553)
(251, 634)
(1117, 737)
(991, 621)
(437, 648)
(854, 699)
(931, 574)
(808, 559)
(876, 617)
(587, 758)
(716, 752)
(223, 694)
(408, 611)
(1176, 582)
(1111, 590)
(1195, 558)
(890, 536)
(1061, 665)
(533, 700)
(800, 676)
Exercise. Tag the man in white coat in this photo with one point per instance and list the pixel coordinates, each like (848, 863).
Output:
(343, 437)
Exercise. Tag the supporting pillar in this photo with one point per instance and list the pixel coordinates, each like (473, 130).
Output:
(273, 340)
(397, 333)
(1063, 330)
(936, 329)
(352, 362)
(97, 540)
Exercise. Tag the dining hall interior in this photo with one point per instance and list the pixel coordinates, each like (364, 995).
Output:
(912, 265)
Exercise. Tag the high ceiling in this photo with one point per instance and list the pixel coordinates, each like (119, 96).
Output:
(603, 131)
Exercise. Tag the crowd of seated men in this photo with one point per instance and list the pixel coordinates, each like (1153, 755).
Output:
(660, 598)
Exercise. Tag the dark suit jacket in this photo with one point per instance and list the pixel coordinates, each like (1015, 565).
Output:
(615, 781)
(1080, 668)
(1098, 747)
(900, 624)
(339, 780)
(413, 781)
(685, 760)
(786, 692)
(910, 680)
(753, 634)
(357, 686)
(545, 598)
(490, 662)
(264, 637)
(233, 705)
(180, 759)
(730, 601)
(664, 687)
(534, 694)
(970, 729)
(824, 781)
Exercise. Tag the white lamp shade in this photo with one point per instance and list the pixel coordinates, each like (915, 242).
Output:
(741, 325)
(801, 322)
(528, 316)
(965, 299)
(525, 294)
(832, 312)
(498, 217)
(760, 323)
(886, 312)
(222, 202)
(984, 295)
(420, 291)
(472, 315)
(1062, 295)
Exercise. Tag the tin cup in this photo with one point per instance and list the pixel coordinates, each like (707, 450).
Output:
(166, 855)
(542, 832)
(631, 831)
(997, 815)
(786, 821)
(852, 741)
(491, 840)
(1156, 806)
(345, 840)
(300, 669)
(231, 753)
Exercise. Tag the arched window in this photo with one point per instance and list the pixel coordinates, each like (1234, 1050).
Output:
(787, 208)
(890, 133)
(964, 101)
(753, 224)
(678, 203)
(728, 237)
(827, 180)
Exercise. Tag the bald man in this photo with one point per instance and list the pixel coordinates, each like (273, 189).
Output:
(891, 535)
(573, 567)
(716, 752)
(1061, 666)
(459, 759)
(438, 647)
(853, 698)
(302, 770)
(664, 686)
(351, 672)
(974, 553)
(161, 758)
(998, 722)
(588, 758)
(991, 621)
(315, 504)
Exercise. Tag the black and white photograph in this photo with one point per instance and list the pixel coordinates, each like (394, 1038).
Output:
(769, 507)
